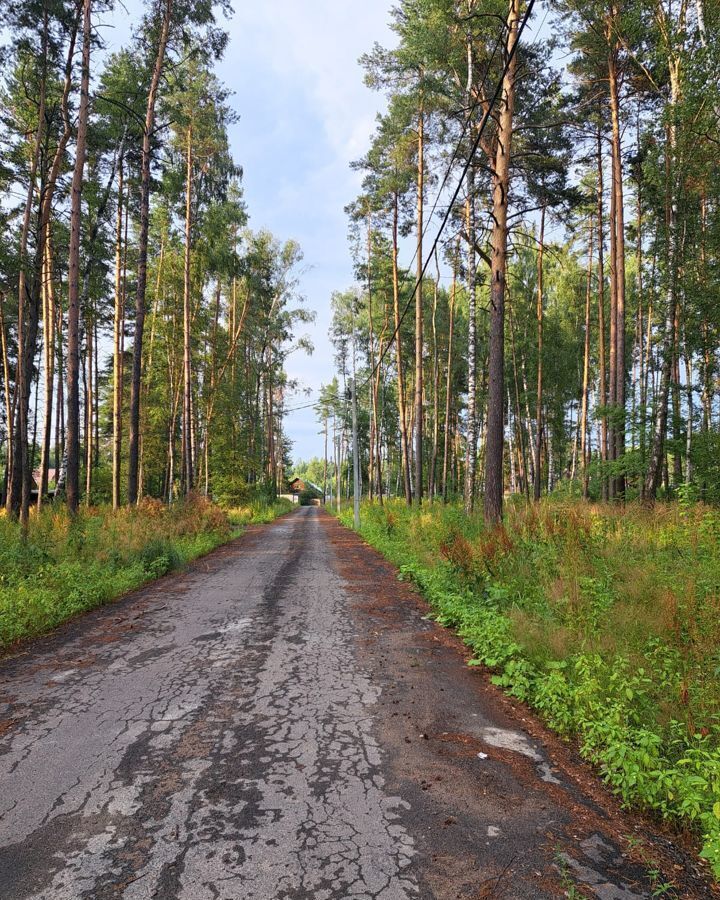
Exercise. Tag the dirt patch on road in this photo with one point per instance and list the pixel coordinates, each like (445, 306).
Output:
(500, 806)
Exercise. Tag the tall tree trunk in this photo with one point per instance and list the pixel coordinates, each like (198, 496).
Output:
(419, 311)
(495, 439)
(187, 373)
(89, 406)
(602, 353)
(49, 366)
(448, 377)
(6, 387)
(118, 328)
(471, 445)
(399, 359)
(19, 465)
(657, 455)
(539, 396)
(584, 452)
(617, 244)
(524, 482)
(144, 212)
(73, 326)
(690, 413)
(435, 387)
(60, 405)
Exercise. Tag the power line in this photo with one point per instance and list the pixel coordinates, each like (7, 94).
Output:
(466, 167)
(456, 151)
(448, 171)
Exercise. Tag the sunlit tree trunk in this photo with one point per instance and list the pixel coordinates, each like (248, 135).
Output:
(118, 329)
(584, 451)
(495, 431)
(73, 327)
(187, 422)
(435, 388)
(539, 396)
(602, 352)
(472, 429)
(144, 216)
(29, 291)
(49, 366)
(399, 359)
(448, 377)
(89, 404)
(419, 311)
(617, 252)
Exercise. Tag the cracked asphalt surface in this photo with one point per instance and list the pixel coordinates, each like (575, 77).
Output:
(282, 721)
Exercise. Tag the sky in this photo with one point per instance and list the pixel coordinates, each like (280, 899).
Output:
(304, 116)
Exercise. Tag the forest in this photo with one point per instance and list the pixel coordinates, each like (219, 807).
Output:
(560, 333)
(143, 324)
(524, 389)
(527, 381)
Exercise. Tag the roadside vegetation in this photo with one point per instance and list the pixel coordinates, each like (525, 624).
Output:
(605, 620)
(69, 565)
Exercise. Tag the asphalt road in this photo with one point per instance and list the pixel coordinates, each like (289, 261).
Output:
(282, 721)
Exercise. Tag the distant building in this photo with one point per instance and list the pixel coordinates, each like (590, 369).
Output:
(305, 491)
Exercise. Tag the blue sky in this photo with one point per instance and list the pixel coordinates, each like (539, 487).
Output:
(305, 114)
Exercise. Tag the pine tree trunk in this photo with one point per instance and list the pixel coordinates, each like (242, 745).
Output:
(73, 326)
(399, 360)
(89, 406)
(657, 455)
(617, 238)
(6, 390)
(435, 388)
(524, 482)
(419, 312)
(471, 445)
(584, 454)
(144, 213)
(539, 396)
(472, 430)
(602, 353)
(49, 366)
(495, 429)
(187, 373)
(448, 378)
(118, 328)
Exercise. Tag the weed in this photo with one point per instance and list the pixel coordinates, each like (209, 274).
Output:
(67, 566)
(606, 620)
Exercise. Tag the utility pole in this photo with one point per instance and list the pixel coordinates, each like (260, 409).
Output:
(356, 454)
(356, 458)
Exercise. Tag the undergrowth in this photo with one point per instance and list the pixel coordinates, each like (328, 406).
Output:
(606, 621)
(66, 566)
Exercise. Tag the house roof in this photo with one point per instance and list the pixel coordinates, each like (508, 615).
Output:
(308, 484)
(37, 474)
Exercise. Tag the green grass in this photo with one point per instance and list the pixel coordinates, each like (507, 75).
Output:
(67, 566)
(606, 621)
(259, 512)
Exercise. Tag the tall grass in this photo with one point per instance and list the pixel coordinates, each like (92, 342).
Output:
(66, 566)
(606, 620)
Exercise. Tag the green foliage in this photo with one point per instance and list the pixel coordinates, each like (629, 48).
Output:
(67, 566)
(604, 621)
(259, 512)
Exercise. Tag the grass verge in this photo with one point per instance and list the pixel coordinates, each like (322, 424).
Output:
(68, 566)
(606, 621)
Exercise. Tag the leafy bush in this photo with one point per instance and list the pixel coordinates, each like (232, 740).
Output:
(67, 566)
(606, 621)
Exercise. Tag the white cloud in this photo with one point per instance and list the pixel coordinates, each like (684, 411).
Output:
(306, 114)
